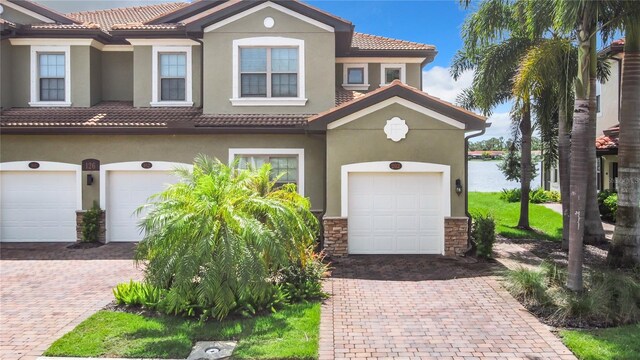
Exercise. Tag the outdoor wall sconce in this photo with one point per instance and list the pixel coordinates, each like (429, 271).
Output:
(458, 187)
(89, 179)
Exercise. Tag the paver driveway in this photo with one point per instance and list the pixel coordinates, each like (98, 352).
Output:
(427, 307)
(47, 289)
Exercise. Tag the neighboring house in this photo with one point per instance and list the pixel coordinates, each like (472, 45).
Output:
(99, 106)
(608, 95)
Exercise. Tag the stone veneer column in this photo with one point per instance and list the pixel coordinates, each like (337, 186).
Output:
(103, 229)
(336, 239)
(456, 240)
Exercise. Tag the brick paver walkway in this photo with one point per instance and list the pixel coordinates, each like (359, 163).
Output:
(427, 307)
(47, 289)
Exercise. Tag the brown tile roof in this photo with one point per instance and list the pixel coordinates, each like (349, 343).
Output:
(374, 42)
(107, 114)
(252, 120)
(139, 14)
(343, 95)
(610, 138)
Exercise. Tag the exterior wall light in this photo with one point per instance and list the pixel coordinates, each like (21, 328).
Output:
(458, 187)
(89, 179)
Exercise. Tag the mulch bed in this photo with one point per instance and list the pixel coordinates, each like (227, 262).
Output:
(85, 245)
(594, 255)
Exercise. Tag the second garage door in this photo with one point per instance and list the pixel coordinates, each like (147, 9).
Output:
(126, 191)
(395, 213)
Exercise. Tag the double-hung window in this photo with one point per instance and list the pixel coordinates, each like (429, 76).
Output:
(172, 77)
(355, 77)
(287, 165)
(391, 72)
(268, 72)
(50, 72)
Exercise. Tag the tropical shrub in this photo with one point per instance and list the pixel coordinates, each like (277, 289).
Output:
(215, 241)
(135, 293)
(537, 196)
(483, 233)
(510, 195)
(528, 286)
(91, 224)
(301, 282)
(608, 204)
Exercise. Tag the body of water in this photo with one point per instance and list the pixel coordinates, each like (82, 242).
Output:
(485, 176)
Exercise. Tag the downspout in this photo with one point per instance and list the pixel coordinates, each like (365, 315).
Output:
(466, 184)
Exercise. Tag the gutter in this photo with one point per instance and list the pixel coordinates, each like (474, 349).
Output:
(466, 183)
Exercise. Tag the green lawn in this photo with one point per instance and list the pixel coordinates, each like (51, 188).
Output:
(291, 333)
(621, 343)
(546, 222)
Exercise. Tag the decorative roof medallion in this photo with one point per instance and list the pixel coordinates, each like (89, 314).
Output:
(269, 22)
(396, 129)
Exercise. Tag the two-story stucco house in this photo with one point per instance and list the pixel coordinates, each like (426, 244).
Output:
(100, 106)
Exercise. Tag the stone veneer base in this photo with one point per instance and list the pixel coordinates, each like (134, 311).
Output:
(336, 237)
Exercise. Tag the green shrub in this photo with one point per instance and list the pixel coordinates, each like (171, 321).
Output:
(608, 204)
(215, 241)
(483, 233)
(527, 285)
(91, 224)
(135, 293)
(510, 195)
(302, 282)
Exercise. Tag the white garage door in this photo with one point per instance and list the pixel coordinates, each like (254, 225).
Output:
(395, 213)
(38, 206)
(126, 191)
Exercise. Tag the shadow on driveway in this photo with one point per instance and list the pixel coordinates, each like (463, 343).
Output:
(411, 267)
(60, 251)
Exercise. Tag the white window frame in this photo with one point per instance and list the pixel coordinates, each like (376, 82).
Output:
(403, 72)
(268, 41)
(345, 77)
(598, 93)
(35, 75)
(274, 152)
(155, 77)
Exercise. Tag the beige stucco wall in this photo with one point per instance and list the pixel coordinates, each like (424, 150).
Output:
(96, 75)
(175, 148)
(20, 76)
(142, 75)
(80, 76)
(609, 105)
(413, 75)
(363, 140)
(117, 76)
(319, 62)
(5, 74)
(607, 171)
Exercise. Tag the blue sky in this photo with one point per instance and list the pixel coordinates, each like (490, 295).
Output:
(432, 22)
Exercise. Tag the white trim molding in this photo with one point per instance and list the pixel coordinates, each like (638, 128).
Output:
(155, 76)
(267, 41)
(396, 100)
(345, 76)
(379, 60)
(35, 75)
(49, 166)
(108, 48)
(25, 11)
(407, 167)
(233, 152)
(403, 72)
(163, 42)
(265, 5)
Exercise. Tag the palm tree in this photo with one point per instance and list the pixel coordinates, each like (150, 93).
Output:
(214, 240)
(625, 248)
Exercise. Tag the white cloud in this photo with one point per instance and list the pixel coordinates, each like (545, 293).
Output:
(500, 126)
(438, 82)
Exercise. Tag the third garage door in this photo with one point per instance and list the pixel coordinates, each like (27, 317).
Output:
(395, 213)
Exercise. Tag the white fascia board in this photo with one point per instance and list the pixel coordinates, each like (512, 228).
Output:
(380, 60)
(28, 12)
(274, 6)
(56, 42)
(396, 100)
(163, 42)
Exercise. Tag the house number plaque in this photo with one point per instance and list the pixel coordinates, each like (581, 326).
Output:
(146, 165)
(90, 165)
(34, 165)
(395, 165)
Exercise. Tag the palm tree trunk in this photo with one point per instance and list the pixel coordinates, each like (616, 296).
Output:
(525, 164)
(593, 230)
(564, 154)
(579, 154)
(625, 249)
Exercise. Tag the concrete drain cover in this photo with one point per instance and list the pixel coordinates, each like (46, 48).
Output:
(212, 350)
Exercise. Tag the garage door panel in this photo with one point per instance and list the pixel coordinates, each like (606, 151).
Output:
(405, 217)
(38, 206)
(126, 191)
